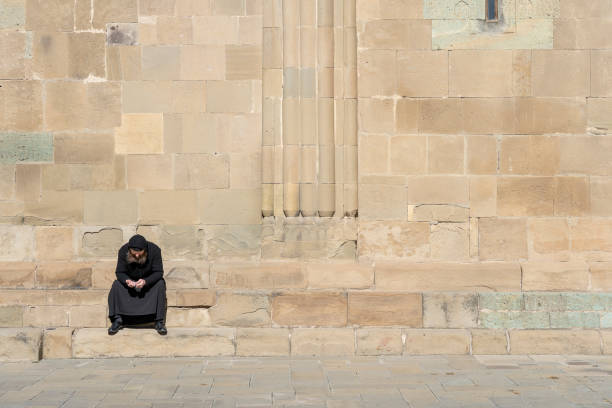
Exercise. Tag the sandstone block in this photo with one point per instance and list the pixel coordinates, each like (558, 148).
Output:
(408, 154)
(140, 134)
(309, 309)
(63, 275)
(339, 275)
(57, 343)
(83, 148)
(560, 73)
(438, 213)
(27, 182)
(114, 11)
(483, 196)
(489, 342)
(195, 298)
(502, 239)
(45, 316)
(11, 297)
(523, 196)
(440, 115)
(322, 342)
(11, 316)
(606, 338)
(245, 310)
(188, 317)
(445, 154)
(397, 34)
(199, 171)
(488, 115)
(599, 112)
(481, 155)
(54, 15)
(76, 105)
(18, 242)
(262, 342)
(94, 343)
(376, 342)
(373, 154)
(554, 342)
(514, 320)
(591, 235)
(187, 275)
(532, 155)
(13, 46)
(271, 275)
(17, 274)
(206, 62)
(230, 206)
(374, 76)
(480, 73)
(76, 297)
(600, 72)
(88, 316)
(572, 196)
(146, 97)
(174, 30)
(103, 274)
(555, 276)
(455, 310)
(382, 202)
(450, 241)
(243, 62)
(376, 115)
(102, 243)
(219, 30)
(110, 207)
(601, 276)
(550, 115)
(56, 207)
(54, 243)
(177, 241)
(394, 239)
(7, 181)
(407, 120)
(423, 73)
(548, 238)
(172, 207)
(438, 341)
(158, 170)
(585, 155)
(13, 14)
(233, 241)
(385, 309)
(501, 301)
(161, 62)
(20, 344)
(422, 277)
(68, 55)
(438, 190)
(24, 113)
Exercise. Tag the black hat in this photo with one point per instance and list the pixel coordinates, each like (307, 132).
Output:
(137, 242)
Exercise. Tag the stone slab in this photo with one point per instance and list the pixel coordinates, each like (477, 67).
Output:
(20, 344)
(26, 147)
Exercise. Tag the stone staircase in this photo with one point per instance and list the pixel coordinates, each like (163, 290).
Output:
(306, 309)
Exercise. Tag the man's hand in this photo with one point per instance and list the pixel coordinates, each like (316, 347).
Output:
(140, 284)
(131, 283)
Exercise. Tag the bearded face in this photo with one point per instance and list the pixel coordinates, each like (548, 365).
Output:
(137, 257)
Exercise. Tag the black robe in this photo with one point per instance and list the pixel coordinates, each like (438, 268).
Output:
(151, 300)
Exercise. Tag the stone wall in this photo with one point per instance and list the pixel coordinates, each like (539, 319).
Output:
(236, 134)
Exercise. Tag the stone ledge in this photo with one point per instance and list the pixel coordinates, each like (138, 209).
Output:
(20, 344)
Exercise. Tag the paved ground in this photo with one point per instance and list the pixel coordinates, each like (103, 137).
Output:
(430, 381)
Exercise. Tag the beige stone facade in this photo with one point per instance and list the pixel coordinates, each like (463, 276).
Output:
(324, 177)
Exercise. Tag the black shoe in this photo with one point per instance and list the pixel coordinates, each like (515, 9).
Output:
(115, 327)
(161, 328)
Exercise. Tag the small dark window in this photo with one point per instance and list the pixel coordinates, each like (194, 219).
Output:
(491, 11)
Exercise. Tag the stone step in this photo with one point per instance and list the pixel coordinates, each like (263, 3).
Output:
(20, 344)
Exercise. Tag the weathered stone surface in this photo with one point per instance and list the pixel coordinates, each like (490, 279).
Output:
(122, 34)
(385, 309)
(309, 309)
(187, 275)
(110, 207)
(11, 316)
(339, 275)
(57, 343)
(272, 275)
(489, 342)
(46, 316)
(17, 274)
(554, 342)
(20, 344)
(52, 15)
(423, 277)
(26, 147)
(242, 207)
(375, 342)
(21, 297)
(188, 317)
(440, 341)
(88, 316)
(245, 310)
(103, 243)
(103, 274)
(438, 213)
(438, 190)
(581, 320)
(601, 277)
(54, 244)
(394, 239)
(514, 320)
(195, 298)
(13, 46)
(450, 241)
(233, 241)
(12, 14)
(24, 113)
(548, 239)
(175, 207)
(454, 310)
(75, 297)
(449, 9)
(396, 34)
(199, 171)
(502, 239)
(181, 242)
(555, 276)
(322, 342)
(501, 301)
(593, 237)
(262, 342)
(551, 115)
(63, 275)
(95, 343)
(140, 134)
(382, 202)
(525, 196)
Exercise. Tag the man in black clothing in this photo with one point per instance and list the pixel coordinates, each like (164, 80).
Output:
(140, 290)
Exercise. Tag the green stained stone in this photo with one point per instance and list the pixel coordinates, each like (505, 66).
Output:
(26, 147)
